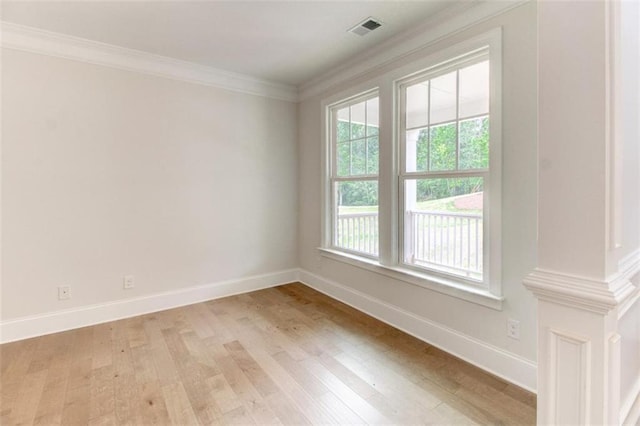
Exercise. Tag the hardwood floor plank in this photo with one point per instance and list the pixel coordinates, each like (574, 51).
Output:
(224, 396)
(366, 411)
(102, 394)
(23, 411)
(251, 369)
(252, 401)
(151, 407)
(299, 395)
(178, 406)
(106, 420)
(284, 355)
(124, 375)
(49, 410)
(101, 346)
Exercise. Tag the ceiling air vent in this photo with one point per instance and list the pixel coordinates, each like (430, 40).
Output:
(366, 26)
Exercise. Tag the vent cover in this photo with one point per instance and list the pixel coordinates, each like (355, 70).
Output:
(366, 26)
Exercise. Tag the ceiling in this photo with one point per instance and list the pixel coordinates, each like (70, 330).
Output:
(288, 42)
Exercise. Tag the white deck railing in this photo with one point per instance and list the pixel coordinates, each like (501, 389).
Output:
(446, 239)
(358, 232)
(449, 239)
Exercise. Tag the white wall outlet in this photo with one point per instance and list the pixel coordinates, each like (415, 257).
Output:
(128, 282)
(64, 292)
(513, 329)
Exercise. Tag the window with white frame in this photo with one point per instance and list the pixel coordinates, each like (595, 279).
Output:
(438, 220)
(354, 174)
(444, 138)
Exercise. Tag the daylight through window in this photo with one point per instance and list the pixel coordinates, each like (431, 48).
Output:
(354, 130)
(445, 140)
(413, 172)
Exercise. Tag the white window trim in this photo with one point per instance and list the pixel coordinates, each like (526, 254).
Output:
(389, 206)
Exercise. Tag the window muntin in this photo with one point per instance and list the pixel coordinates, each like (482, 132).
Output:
(444, 137)
(355, 152)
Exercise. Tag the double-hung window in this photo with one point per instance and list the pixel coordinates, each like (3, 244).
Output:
(354, 175)
(444, 141)
(437, 220)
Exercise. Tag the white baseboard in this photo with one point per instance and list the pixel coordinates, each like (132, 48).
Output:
(497, 361)
(53, 322)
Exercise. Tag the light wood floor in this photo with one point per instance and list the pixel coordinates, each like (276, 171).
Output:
(286, 355)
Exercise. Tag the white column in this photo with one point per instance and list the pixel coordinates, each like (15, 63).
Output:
(580, 284)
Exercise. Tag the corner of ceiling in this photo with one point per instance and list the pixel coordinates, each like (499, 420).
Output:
(34, 40)
(453, 19)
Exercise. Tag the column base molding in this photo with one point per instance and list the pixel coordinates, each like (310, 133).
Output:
(599, 296)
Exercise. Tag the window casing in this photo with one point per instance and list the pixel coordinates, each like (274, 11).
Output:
(408, 168)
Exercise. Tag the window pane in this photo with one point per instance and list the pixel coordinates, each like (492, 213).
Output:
(342, 130)
(358, 157)
(443, 98)
(417, 150)
(356, 218)
(417, 105)
(474, 143)
(444, 225)
(358, 121)
(442, 147)
(373, 153)
(474, 90)
(372, 117)
(344, 157)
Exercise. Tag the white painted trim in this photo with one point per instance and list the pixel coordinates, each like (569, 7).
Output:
(599, 296)
(53, 322)
(33, 40)
(612, 383)
(560, 402)
(627, 303)
(629, 266)
(497, 361)
(452, 21)
(441, 284)
(630, 408)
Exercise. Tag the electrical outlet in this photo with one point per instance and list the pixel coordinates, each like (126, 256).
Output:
(128, 282)
(64, 292)
(513, 329)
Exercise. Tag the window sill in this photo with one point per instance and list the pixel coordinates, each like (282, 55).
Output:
(441, 285)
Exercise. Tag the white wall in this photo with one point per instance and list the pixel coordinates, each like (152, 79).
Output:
(108, 172)
(519, 201)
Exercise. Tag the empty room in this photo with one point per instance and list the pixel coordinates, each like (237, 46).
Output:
(320, 212)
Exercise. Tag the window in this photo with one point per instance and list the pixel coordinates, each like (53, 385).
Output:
(413, 173)
(445, 140)
(354, 175)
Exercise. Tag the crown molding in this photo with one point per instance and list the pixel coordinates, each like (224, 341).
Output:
(449, 22)
(34, 40)
(599, 296)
